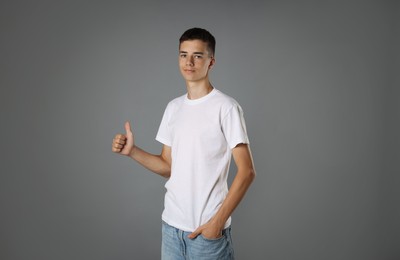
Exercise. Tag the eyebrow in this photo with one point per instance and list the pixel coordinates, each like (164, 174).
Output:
(197, 52)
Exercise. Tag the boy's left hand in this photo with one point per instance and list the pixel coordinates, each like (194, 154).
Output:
(209, 230)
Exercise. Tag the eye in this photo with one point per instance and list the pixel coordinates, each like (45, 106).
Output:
(182, 55)
(198, 56)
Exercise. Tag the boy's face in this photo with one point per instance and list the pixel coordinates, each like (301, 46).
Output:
(195, 60)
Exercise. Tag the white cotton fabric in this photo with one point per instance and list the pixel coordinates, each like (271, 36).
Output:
(201, 134)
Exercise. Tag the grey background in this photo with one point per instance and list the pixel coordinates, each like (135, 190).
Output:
(319, 85)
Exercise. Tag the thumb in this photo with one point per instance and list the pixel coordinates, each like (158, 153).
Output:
(128, 128)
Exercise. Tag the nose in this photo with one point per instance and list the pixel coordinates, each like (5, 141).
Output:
(189, 60)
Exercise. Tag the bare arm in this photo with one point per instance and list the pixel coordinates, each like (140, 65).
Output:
(124, 144)
(160, 164)
(244, 177)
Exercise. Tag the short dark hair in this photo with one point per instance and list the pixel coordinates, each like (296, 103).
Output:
(199, 34)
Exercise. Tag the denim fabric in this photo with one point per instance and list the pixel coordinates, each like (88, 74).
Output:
(177, 246)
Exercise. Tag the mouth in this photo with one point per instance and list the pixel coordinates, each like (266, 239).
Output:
(188, 70)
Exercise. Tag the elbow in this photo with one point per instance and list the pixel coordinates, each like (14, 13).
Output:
(166, 174)
(248, 175)
(165, 169)
(252, 174)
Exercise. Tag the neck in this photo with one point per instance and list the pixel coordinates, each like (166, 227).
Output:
(198, 89)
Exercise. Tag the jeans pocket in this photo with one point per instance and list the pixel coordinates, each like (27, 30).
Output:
(212, 239)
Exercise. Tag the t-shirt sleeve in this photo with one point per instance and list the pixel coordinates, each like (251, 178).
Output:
(234, 127)
(164, 133)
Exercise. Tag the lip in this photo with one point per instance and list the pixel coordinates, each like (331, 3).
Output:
(188, 70)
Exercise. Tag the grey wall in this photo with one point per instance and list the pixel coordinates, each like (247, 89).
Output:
(319, 85)
(390, 180)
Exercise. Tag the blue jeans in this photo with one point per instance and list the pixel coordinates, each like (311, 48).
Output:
(177, 246)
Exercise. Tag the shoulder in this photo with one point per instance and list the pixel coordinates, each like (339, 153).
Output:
(227, 102)
(225, 99)
(176, 102)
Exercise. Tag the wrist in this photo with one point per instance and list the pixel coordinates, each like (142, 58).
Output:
(132, 152)
(219, 221)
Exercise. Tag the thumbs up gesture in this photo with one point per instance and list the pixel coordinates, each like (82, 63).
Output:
(124, 143)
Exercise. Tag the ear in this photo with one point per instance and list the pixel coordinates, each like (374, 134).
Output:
(212, 62)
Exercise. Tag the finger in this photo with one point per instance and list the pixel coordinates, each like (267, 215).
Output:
(118, 146)
(116, 150)
(119, 141)
(194, 234)
(128, 128)
(120, 137)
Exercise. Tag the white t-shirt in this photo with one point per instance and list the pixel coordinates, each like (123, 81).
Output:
(201, 134)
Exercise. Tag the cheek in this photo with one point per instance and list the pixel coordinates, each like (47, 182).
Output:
(203, 65)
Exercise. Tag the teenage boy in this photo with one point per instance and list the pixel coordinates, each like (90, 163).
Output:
(200, 131)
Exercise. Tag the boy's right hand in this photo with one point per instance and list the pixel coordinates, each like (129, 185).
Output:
(124, 143)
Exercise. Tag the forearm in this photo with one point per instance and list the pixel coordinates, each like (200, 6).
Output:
(152, 162)
(237, 191)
